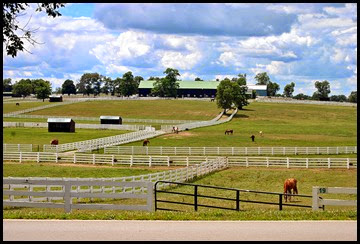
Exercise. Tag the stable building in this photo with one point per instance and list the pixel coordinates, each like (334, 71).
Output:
(111, 120)
(197, 88)
(55, 98)
(61, 125)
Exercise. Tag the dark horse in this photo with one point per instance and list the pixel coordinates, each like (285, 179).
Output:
(227, 132)
(290, 184)
(54, 142)
(17, 104)
(145, 142)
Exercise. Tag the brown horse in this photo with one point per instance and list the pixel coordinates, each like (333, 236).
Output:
(17, 104)
(290, 184)
(227, 132)
(145, 142)
(54, 142)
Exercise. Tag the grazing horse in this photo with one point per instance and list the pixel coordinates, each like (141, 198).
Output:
(212, 99)
(290, 184)
(175, 129)
(54, 142)
(227, 132)
(145, 142)
(17, 104)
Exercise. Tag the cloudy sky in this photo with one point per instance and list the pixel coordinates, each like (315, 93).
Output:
(300, 43)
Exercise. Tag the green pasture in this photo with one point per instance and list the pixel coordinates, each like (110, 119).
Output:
(282, 125)
(40, 136)
(259, 179)
(138, 109)
(11, 107)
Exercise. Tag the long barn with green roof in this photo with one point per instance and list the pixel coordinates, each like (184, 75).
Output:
(196, 88)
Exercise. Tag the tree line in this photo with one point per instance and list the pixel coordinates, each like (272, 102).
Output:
(231, 91)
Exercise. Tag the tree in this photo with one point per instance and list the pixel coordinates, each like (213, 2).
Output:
(323, 91)
(231, 93)
(272, 88)
(68, 87)
(167, 86)
(42, 89)
(7, 87)
(353, 97)
(289, 89)
(242, 79)
(22, 88)
(338, 98)
(90, 83)
(302, 96)
(154, 78)
(11, 37)
(128, 86)
(198, 79)
(138, 79)
(262, 78)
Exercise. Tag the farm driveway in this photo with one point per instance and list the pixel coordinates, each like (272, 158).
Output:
(138, 230)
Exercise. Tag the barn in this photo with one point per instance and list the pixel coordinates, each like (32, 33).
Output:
(196, 88)
(111, 120)
(61, 125)
(55, 98)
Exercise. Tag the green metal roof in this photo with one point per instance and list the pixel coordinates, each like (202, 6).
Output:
(185, 84)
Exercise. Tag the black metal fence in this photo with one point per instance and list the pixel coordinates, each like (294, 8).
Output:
(236, 197)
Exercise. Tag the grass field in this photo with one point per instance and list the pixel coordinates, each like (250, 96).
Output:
(11, 107)
(41, 136)
(259, 179)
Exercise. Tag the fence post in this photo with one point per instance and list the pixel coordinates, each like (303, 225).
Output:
(195, 198)
(329, 163)
(20, 159)
(93, 158)
(149, 161)
(131, 160)
(74, 158)
(187, 161)
(280, 201)
(237, 200)
(168, 161)
(56, 157)
(112, 159)
(287, 163)
(67, 197)
(149, 199)
(247, 162)
(315, 198)
(267, 162)
(348, 163)
(38, 157)
(307, 163)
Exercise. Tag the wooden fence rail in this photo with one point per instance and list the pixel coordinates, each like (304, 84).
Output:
(319, 202)
(146, 160)
(233, 151)
(42, 191)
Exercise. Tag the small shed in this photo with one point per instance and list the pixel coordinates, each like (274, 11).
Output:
(111, 120)
(61, 125)
(55, 98)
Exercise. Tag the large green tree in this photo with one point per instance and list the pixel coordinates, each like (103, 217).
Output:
(167, 86)
(13, 33)
(68, 87)
(353, 97)
(272, 88)
(90, 83)
(128, 86)
(22, 88)
(7, 86)
(262, 78)
(231, 93)
(289, 89)
(323, 91)
(42, 89)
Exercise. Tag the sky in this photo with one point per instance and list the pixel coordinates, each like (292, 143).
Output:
(291, 42)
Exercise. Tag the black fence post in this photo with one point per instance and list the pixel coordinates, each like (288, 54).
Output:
(155, 203)
(280, 201)
(237, 200)
(195, 197)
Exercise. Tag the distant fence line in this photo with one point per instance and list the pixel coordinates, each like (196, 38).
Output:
(290, 100)
(78, 126)
(67, 189)
(127, 120)
(99, 143)
(152, 150)
(144, 160)
(39, 108)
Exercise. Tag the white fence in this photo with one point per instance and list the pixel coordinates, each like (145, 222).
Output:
(228, 150)
(319, 202)
(30, 191)
(78, 126)
(198, 124)
(141, 160)
(295, 101)
(94, 144)
(127, 120)
(17, 147)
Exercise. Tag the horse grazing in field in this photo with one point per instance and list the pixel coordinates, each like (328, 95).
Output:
(212, 99)
(175, 129)
(227, 132)
(145, 142)
(17, 104)
(290, 184)
(54, 142)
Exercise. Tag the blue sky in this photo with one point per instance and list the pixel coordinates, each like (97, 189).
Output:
(301, 43)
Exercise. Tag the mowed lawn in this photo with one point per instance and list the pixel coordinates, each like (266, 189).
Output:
(290, 125)
(41, 136)
(175, 109)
